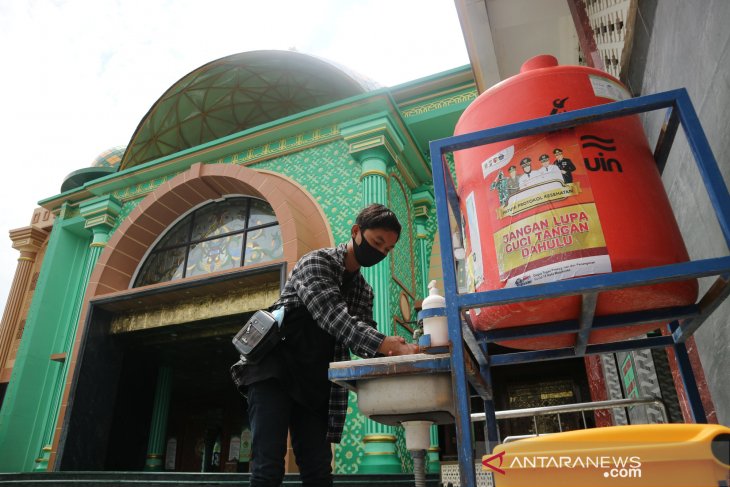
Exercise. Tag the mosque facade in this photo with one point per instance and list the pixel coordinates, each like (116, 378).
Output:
(132, 280)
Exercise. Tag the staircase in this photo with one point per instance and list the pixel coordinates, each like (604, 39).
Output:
(154, 479)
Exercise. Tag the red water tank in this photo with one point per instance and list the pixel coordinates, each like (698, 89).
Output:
(575, 202)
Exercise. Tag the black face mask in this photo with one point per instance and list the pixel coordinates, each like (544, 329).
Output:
(365, 254)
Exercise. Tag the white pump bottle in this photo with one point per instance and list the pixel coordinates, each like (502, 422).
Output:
(436, 325)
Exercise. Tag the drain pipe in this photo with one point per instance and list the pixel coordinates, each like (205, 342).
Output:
(419, 467)
(418, 439)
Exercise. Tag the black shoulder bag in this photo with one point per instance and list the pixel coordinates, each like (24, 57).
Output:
(257, 337)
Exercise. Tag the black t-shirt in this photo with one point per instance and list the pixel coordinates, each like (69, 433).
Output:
(300, 361)
(307, 351)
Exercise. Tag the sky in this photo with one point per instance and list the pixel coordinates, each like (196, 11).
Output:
(77, 76)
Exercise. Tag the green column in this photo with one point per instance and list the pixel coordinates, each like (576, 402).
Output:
(375, 190)
(380, 453)
(422, 203)
(27, 401)
(156, 445)
(99, 217)
(377, 143)
(434, 463)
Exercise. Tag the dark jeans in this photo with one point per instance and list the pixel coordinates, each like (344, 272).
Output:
(272, 412)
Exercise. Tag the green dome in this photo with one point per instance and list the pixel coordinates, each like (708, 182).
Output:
(105, 164)
(236, 93)
(110, 158)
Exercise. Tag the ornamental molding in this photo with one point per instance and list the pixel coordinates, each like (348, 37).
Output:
(434, 105)
(282, 146)
(107, 220)
(371, 143)
(373, 172)
(242, 300)
(28, 239)
(139, 190)
(248, 157)
(100, 211)
(372, 134)
(422, 201)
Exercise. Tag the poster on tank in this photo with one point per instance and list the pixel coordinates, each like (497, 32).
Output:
(540, 203)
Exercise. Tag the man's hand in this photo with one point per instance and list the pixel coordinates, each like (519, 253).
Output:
(395, 345)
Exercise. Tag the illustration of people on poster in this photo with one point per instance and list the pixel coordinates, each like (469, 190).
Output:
(541, 208)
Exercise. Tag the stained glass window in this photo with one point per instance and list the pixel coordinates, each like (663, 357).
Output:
(214, 238)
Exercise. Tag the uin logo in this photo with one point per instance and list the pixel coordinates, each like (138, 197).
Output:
(558, 105)
(486, 465)
(600, 163)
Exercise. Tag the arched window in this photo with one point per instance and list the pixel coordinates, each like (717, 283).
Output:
(213, 238)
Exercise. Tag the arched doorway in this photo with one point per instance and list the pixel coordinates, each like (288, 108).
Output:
(183, 324)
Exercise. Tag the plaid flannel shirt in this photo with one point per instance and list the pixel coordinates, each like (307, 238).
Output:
(316, 283)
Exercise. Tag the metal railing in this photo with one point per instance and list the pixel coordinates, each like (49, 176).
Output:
(580, 407)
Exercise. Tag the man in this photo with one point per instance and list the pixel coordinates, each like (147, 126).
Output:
(500, 184)
(513, 183)
(547, 171)
(565, 165)
(328, 312)
(525, 180)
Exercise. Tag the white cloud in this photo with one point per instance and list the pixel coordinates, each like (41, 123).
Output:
(79, 75)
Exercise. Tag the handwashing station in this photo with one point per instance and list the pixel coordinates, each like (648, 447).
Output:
(410, 390)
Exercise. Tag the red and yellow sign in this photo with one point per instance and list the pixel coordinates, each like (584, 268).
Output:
(548, 227)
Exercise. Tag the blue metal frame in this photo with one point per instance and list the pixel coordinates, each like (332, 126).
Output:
(685, 319)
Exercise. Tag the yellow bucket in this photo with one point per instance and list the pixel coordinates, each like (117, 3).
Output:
(676, 455)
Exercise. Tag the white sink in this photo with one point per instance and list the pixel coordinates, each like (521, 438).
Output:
(391, 390)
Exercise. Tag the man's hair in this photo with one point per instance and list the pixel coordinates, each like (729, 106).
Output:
(378, 216)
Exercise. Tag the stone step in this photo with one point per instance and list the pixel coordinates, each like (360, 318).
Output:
(168, 479)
